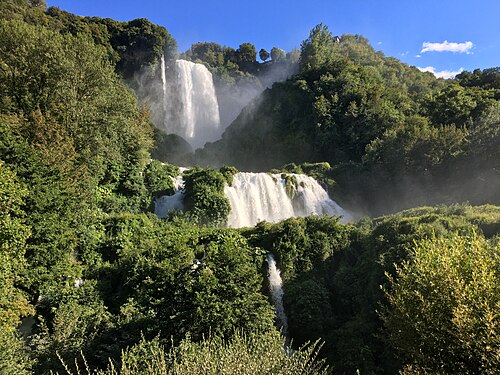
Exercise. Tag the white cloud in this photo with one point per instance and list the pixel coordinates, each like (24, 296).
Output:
(418, 56)
(447, 47)
(379, 43)
(446, 74)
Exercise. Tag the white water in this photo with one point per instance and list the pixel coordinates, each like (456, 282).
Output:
(257, 197)
(169, 203)
(276, 289)
(200, 120)
(164, 83)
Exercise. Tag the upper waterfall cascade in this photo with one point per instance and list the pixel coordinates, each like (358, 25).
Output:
(199, 113)
(164, 83)
(258, 197)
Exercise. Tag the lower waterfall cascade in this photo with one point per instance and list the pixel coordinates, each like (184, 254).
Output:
(258, 197)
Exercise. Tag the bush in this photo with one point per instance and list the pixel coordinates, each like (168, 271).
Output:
(240, 355)
(443, 306)
(204, 196)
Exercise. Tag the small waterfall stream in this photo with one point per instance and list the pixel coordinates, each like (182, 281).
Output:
(169, 203)
(276, 290)
(164, 83)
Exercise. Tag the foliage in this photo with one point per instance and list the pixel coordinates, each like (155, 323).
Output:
(443, 305)
(317, 50)
(487, 78)
(13, 235)
(416, 146)
(38, 66)
(247, 355)
(158, 178)
(300, 244)
(277, 54)
(241, 354)
(210, 53)
(332, 275)
(291, 184)
(14, 356)
(77, 254)
(204, 196)
(457, 104)
(169, 147)
(52, 206)
(394, 136)
(246, 52)
(321, 172)
(130, 45)
(228, 172)
(70, 317)
(263, 54)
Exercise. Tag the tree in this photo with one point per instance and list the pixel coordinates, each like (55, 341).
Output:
(317, 50)
(263, 54)
(246, 53)
(458, 105)
(293, 56)
(13, 235)
(38, 3)
(211, 53)
(277, 54)
(204, 196)
(443, 304)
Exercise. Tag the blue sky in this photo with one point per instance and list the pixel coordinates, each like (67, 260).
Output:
(398, 28)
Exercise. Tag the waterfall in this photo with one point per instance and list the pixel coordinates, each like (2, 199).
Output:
(169, 203)
(276, 289)
(164, 83)
(199, 119)
(256, 197)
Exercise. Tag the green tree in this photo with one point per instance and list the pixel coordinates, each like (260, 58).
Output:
(211, 53)
(443, 306)
(246, 53)
(14, 232)
(204, 196)
(293, 56)
(263, 54)
(277, 54)
(72, 84)
(458, 105)
(318, 49)
(158, 178)
(14, 354)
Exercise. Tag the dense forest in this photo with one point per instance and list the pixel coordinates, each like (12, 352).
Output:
(93, 282)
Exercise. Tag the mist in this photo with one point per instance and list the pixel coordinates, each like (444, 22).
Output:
(376, 192)
(193, 106)
(233, 98)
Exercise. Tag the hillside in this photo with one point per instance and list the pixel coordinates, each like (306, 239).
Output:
(114, 262)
